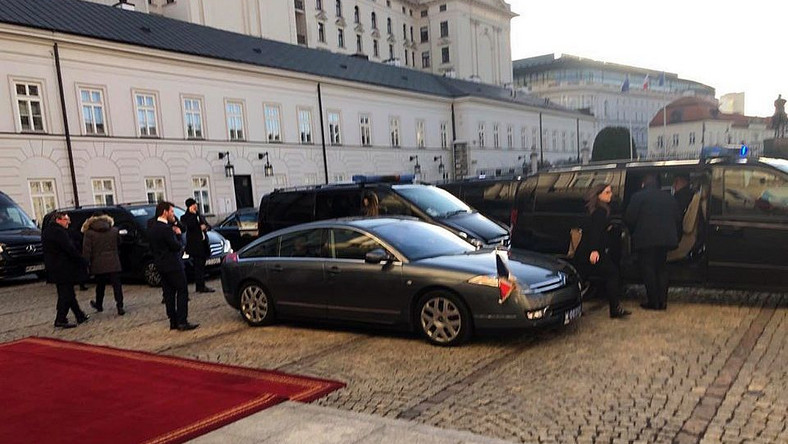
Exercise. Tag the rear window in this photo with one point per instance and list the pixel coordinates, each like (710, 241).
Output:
(290, 208)
(565, 192)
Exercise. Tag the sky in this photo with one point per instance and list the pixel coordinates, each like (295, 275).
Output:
(732, 46)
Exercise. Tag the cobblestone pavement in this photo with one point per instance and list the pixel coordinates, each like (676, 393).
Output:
(713, 368)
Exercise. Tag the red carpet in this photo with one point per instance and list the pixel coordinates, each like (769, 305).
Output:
(54, 391)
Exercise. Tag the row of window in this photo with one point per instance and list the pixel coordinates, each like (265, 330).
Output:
(356, 12)
(43, 193)
(714, 138)
(568, 141)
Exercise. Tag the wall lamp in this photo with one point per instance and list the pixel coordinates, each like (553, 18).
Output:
(417, 167)
(229, 169)
(441, 166)
(268, 170)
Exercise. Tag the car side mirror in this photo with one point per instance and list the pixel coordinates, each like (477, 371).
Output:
(376, 256)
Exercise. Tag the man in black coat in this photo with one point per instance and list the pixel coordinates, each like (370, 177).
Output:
(65, 267)
(654, 218)
(197, 245)
(167, 249)
(682, 192)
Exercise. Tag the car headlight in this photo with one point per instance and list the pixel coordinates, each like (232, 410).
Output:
(2, 248)
(227, 248)
(185, 255)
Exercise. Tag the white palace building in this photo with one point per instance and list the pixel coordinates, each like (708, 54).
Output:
(107, 105)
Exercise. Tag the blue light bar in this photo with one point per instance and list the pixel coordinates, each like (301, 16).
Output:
(732, 152)
(390, 178)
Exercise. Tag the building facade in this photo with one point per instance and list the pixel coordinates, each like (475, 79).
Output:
(140, 111)
(683, 127)
(617, 95)
(468, 39)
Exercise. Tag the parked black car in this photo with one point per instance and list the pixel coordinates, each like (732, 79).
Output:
(239, 227)
(135, 254)
(286, 207)
(491, 196)
(399, 272)
(20, 241)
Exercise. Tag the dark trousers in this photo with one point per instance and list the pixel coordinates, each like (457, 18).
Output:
(67, 300)
(605, 270)
(117, 289)
(653, 271)
(199, 271)
(176, 296)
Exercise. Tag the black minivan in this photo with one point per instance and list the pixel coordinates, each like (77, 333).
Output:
(20, 241)
(395, 196)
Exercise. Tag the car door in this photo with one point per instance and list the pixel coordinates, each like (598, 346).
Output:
(748, 226)
(229, 228)
(247, 227)
(296, 276)
(358, 291)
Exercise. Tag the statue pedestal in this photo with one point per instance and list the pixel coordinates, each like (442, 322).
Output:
(776, 148)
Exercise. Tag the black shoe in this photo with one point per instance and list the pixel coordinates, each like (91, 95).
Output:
(121, 311)
(187, 326)
(647, 306)
(620, 313)
(96, 307)
(64, 324)
(206, 290)
(83, 319)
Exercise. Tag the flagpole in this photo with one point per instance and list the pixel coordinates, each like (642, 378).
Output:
(631, 154)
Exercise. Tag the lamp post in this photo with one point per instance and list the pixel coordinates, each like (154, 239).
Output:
(268, 169)
(441, 166)
(417, 167)
(229, 169)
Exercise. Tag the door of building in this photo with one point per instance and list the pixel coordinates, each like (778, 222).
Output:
(243, 191)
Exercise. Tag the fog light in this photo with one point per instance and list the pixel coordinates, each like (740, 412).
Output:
(536, 314)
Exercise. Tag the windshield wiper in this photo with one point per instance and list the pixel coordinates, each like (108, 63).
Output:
(455, 212)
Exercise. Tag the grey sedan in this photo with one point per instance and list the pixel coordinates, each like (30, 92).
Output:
(399, 272)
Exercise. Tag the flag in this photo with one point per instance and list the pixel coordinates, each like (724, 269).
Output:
(645, 82)
(625, 86)
(661, 81)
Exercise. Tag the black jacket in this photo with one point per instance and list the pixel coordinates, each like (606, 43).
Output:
(654, 219)
(197, 243)
(64, 263)
(683, 197)
(165, 246)
(595, 237)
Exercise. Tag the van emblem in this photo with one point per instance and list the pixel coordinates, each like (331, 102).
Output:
(30, 248)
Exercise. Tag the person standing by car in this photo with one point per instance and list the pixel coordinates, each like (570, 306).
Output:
(654, 218)
(197, 245)
(167, 249)
(592, 258)
(65, 267)
(682, 192)
(100, 249)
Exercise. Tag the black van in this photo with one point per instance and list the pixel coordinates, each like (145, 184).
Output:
(735, 230)
(20, 241)
(493, 196)
(135, 255)
(395, 195)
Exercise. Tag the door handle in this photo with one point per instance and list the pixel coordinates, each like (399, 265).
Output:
(729, 231)
(277, 268)
(333, 270)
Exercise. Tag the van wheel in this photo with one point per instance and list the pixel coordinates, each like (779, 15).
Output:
(151, 274)
(443, 319)
(257, 308)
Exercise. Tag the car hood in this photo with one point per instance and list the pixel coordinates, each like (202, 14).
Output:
(476, 225)
(532, 269)
(20, 236)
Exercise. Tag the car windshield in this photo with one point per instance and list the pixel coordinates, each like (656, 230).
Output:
(13, 218)
(780, 164)
(434, 201)
(419, 240)
(143, 214)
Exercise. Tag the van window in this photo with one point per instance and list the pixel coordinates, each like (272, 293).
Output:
(753, 192)
(13, 218)
(286, 209)
(565, 192)
(332, 204)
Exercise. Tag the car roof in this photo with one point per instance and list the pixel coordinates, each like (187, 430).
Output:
(626, 164)
(362, 222)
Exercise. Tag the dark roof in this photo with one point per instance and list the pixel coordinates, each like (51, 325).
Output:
(696, 109)
(102, 22)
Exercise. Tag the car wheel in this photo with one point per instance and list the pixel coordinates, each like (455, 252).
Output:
(443, 319)
(151, 274)
(257, 308)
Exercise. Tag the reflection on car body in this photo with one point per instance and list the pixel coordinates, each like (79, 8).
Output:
(399, 272)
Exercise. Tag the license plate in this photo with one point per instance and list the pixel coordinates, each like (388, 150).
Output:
(32, 268)
(573, 314)
(213, 261)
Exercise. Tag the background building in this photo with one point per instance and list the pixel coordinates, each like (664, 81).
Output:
(732, 103)
(144, 107)
(617, 95)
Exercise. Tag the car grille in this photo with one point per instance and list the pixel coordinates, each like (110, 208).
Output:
(550, 284)
(561, 307)
(24, 250)
(216, 249)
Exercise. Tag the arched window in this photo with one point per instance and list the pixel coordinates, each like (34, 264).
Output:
(388, 25)
(374, 21)
(356, 17)
(339, 8)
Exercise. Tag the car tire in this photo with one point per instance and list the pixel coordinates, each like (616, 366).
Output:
(151, 274)
(443, 319)
(256, 306)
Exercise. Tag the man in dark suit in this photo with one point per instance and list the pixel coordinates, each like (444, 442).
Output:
(682, 192)
(197, 245)
(167, 251)
(65, 267)
(654, 219)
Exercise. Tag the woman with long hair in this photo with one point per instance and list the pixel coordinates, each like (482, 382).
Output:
(592, 258)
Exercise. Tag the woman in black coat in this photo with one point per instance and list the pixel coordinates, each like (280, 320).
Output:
(592, 258)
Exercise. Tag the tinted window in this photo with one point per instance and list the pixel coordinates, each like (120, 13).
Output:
(302, 244)
(754, 192)
(230, 222)
(422, 240)
(433, 201)
(392, 204)
(349, 244)
(268, 248)
(247, 221)
(291, 208)
(332, 204)
(12, 218)
(565, 192)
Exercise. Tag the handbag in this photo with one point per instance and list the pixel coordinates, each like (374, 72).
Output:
(575, 235)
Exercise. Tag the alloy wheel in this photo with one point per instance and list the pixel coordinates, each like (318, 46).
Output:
(441, 320)
(255, 306)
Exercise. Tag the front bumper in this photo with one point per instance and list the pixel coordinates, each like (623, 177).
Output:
(558, 307)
